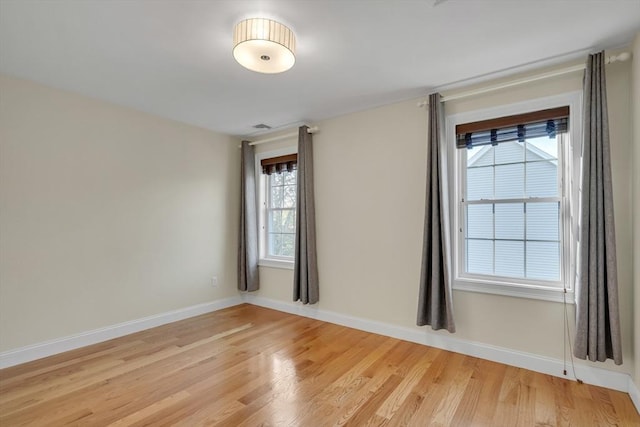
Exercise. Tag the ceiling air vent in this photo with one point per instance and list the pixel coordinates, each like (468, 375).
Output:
(261, 126)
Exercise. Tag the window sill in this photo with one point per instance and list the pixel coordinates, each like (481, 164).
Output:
(276, 263)
(519, 291)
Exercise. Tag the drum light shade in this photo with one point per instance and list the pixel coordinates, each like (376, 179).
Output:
(264, 45)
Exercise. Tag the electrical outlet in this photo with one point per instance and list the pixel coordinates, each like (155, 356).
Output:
(214, 281)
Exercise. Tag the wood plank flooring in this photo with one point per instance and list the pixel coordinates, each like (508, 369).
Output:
(250, 366)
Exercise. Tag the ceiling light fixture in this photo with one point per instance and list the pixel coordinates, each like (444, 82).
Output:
(264, 45)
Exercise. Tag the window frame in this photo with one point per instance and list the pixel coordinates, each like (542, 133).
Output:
(262, 185)
(568, 154)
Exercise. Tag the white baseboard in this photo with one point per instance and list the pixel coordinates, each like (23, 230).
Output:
(590, 375)
(71, 342)
(634, 393)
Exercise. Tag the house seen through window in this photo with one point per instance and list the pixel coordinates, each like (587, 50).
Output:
(513, 210)
(512, 220)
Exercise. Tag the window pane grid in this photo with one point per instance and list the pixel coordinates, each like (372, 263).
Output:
(547, 253)
(280, 210)
(499, 241)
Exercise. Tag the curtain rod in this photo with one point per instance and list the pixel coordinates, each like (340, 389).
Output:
(624, 56)
(285, 136)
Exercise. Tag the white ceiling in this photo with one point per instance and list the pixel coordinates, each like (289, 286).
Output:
(173, 58)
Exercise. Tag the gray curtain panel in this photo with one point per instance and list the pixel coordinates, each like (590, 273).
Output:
(305, 280)
(248, 279)
(598, 319)
(435, 307)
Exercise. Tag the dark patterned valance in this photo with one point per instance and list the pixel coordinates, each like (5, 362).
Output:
(513, 128)
(279, 164)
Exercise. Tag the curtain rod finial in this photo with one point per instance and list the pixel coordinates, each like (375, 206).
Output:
(624, 56)
(421, 104)
(621, 57)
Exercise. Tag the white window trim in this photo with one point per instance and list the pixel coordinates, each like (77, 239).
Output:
(261, 184)
(570, 183)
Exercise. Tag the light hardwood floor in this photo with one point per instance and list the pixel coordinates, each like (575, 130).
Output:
(250, 366)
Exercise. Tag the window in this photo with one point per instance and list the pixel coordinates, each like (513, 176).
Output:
(281, 214)
(512, 208)
(513, 202)
(277, 197)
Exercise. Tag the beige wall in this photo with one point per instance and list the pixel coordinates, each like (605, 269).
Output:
(370, 182)
(635, 121)
(107, 214)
